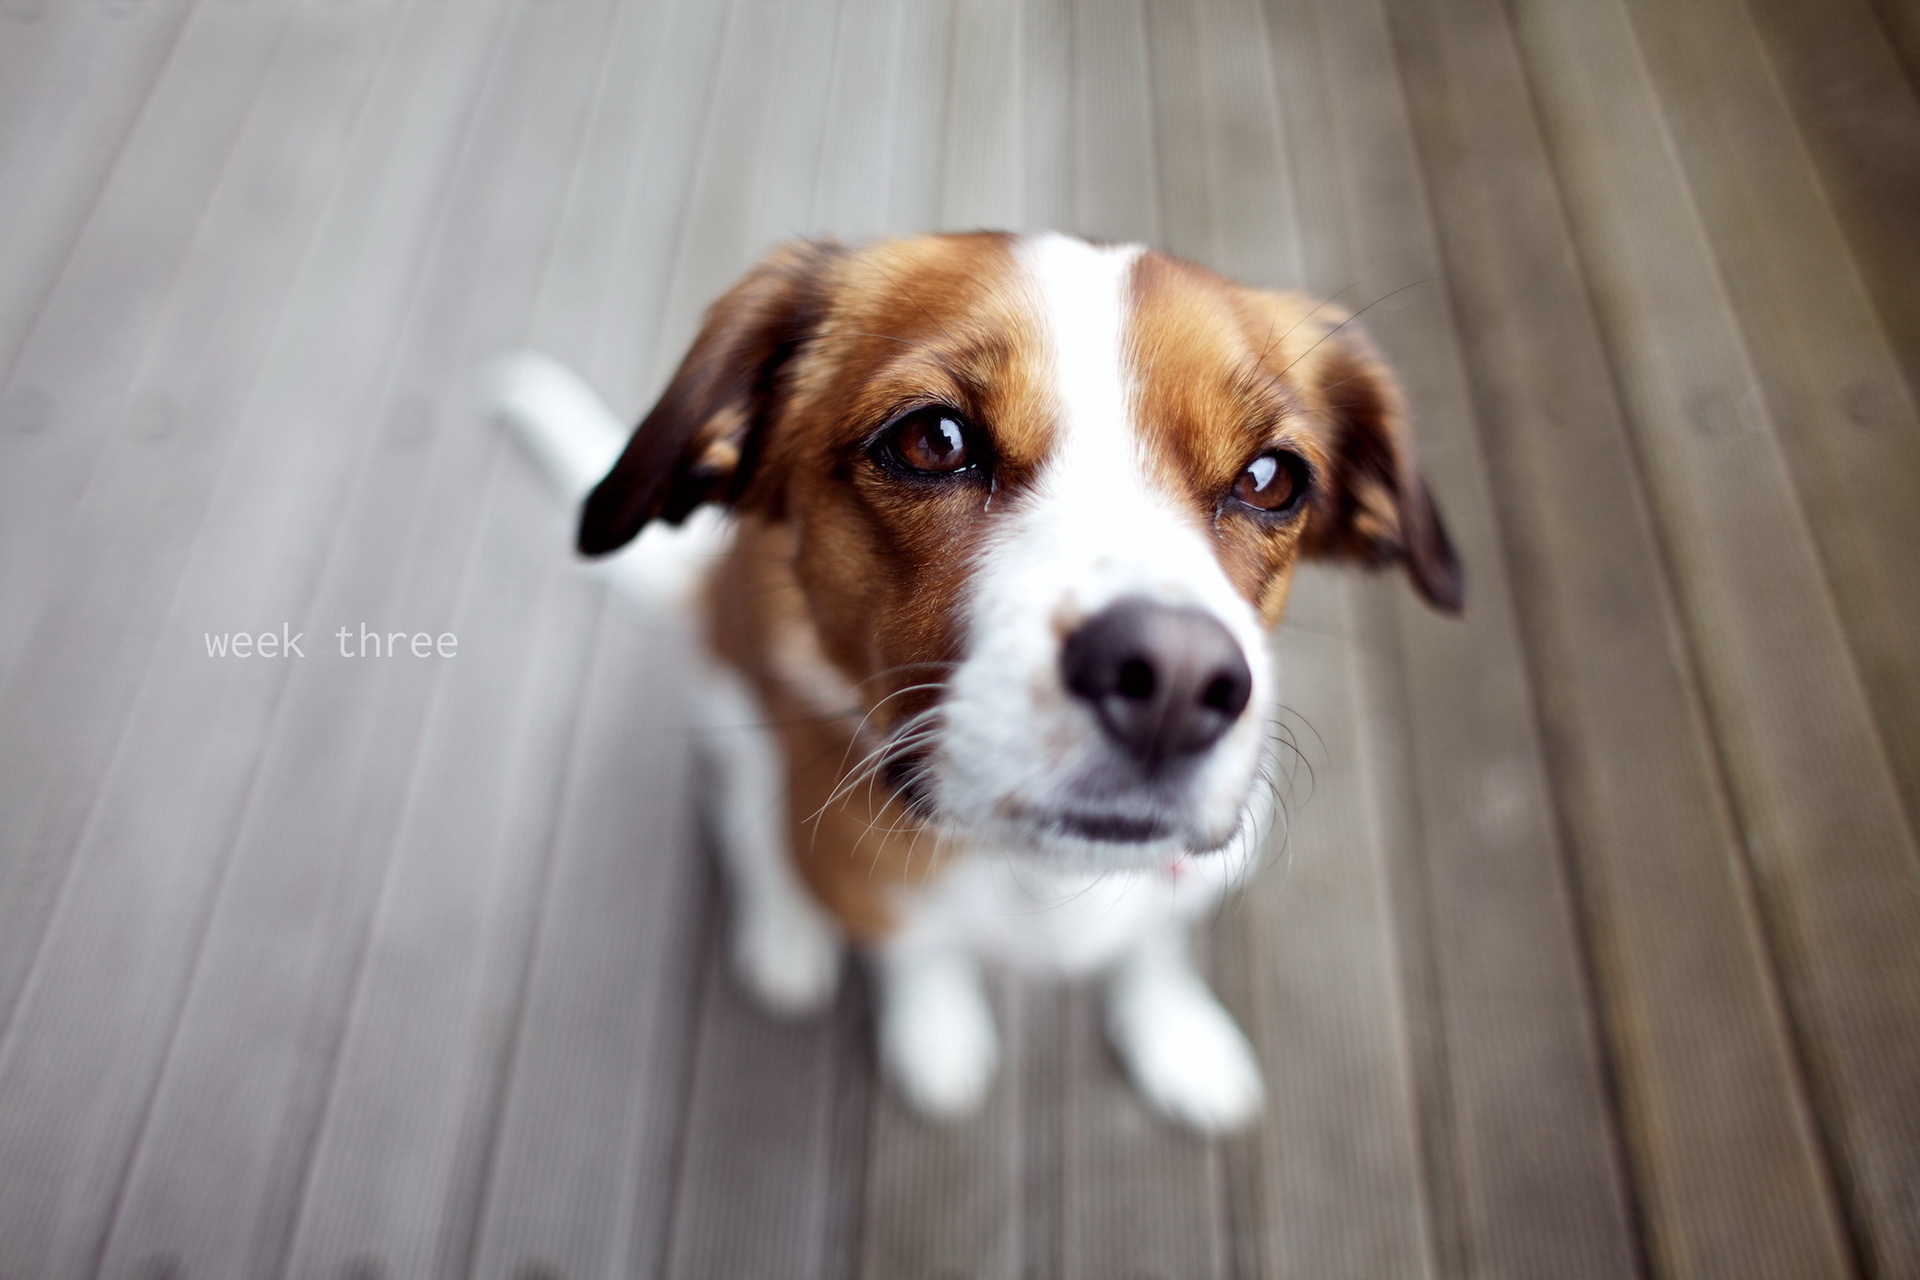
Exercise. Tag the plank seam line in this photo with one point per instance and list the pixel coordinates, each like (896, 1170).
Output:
(1753, 902)
(246, 807)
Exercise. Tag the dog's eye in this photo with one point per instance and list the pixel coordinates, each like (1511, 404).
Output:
(1272, 482)
(932, 441)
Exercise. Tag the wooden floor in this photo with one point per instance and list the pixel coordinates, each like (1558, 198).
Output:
(1593, 945)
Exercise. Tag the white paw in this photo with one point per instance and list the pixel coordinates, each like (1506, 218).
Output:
(937, 1038)
(1186, 1056)
(787, 956)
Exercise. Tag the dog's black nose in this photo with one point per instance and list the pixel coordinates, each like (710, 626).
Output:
(1164, 681)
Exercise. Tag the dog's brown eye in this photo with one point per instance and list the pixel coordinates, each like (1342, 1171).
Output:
(1271, 482)
(931, 441)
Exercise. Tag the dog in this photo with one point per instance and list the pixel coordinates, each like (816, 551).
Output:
(984, 535)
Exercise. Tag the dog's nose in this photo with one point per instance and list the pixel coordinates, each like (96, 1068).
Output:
(1164, 681)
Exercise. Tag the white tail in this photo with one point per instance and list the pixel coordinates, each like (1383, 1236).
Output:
(575, 438)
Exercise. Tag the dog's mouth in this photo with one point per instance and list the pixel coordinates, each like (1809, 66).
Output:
(1103, 819)
(1112, 828)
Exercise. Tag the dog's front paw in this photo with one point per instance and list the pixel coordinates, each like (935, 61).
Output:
(788, 957)
(937, 1038)
(1185, 1054)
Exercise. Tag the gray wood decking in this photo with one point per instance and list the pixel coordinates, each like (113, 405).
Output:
(1592, 948)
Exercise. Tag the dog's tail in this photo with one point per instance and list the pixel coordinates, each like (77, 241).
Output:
(575, 438)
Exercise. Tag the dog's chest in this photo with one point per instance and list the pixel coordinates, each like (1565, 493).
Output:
(1055, 921)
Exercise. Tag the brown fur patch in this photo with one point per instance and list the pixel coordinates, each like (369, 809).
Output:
(1225, 373)
(875, 567)
(799, 369)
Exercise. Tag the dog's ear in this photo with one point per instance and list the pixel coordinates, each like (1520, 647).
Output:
(700, 442)
(1376, 508)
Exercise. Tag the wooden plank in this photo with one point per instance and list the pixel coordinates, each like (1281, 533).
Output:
(1730, 1174)
(1833, 855)
(740, 1198)
(1115, 190)
(919, 109)
(82, 1050)
(73, 85)
(1901, 18)
(1385, 768)
(762, 1173)
(247, 1068)
(1852, 436)
(31, 45)
(399, 1159)
(601, 295)
(1046, 116)
(1138, 1196)
(760, 1166)
(77, 347)
(1330, 1184)
(719, 223)
(1330, 1181)
(983, 118)
(1321, 254)
(1182, 166)
(595, 1094)
(1225, 186)
(91, 342)
(396, 1157)
(850, 200)
(1859, 118)
(1526, 1133)
(957, 1199)
(777, 1131)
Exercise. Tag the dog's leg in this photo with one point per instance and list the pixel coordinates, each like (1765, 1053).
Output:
(937, 1038)
(1180, 1044)
(785, 949)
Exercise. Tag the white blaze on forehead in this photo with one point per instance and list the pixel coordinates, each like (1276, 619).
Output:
(1083, 296)
(1098, 512)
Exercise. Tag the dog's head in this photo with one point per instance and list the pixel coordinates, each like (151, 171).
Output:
(1046, 498)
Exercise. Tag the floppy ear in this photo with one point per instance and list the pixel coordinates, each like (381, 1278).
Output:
(701, 440)
(1378, 509)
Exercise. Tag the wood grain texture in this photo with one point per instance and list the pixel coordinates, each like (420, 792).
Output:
(1817, 800)
(1528, 1131)
(577, 1178)
(1115, 189)
(1858, 117)
(398, 1153)
(70, 675)
(1730, 1171)
(1587, 949)
(92, 322)
(1844, 416)
(110, 977)
(74, 84)
(1332, 1183)
(1901, 19)
(954, 1200)
(252, 1055)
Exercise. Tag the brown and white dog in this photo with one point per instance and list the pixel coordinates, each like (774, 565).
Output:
(985, 674)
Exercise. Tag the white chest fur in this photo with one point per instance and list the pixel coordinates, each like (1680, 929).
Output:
(1029, 916)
